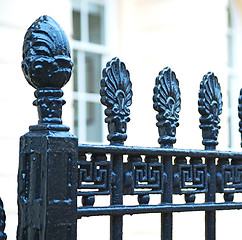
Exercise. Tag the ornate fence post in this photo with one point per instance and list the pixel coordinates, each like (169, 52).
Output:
(116, 95)
(47, 177)
(210, 107)
(167, 102)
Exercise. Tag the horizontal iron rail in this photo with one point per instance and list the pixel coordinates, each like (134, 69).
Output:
(86, 148)
(141, 209)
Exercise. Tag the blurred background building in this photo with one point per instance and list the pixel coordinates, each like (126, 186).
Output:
(192, 37)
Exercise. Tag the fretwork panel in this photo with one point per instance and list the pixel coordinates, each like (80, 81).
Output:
(143, 175)
(94, 175)
(229, 176)
(190, 178)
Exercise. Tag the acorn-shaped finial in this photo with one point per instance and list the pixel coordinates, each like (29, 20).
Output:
(47, 67)
(46, 54)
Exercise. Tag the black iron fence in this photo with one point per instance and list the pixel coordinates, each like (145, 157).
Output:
(54, 170)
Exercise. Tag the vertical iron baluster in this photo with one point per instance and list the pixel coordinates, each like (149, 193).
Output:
(116, 95)
(210, 107)
(166, 218)
(168, 104)
(116, 222)
(210, 216)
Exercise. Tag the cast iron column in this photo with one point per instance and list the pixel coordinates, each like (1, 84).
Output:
(47, 177)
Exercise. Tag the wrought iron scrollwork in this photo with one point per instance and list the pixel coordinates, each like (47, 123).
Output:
(167, 102)
(210, 107)
(116, 95)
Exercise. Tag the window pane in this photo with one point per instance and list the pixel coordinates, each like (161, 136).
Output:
(75, 69)
(96, 23)
(76, 21)
(93, 72)
(230, 51)
(229, 21)
(94, 122)
(76, 122)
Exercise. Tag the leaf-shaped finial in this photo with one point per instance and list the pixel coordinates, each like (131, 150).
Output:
(210, 107)
(116, 94)
(167, 102)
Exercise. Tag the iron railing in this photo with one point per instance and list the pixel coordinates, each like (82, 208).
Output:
(54, 170)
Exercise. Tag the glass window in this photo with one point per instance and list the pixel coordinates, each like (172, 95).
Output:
(96, 23)
(76, 19)
(230, 39)
(94, 122)
(93, 72)
(230, 59)
(89, 52)
(76, 113)
(233, 75)
(75, 71)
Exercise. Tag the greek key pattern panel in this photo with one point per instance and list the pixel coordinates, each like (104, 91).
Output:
(229, 176)
(94, 175)
(143, 175)
(190, 178)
